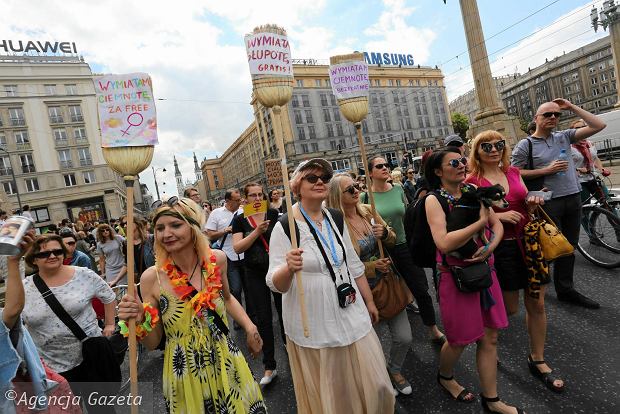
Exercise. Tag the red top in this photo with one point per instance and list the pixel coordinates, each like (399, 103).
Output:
(516, 195)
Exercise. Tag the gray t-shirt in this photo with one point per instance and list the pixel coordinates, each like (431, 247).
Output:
(114, 258)
(545, 151)
(59, 348)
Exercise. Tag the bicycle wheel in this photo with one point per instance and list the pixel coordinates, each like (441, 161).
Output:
(600, 242)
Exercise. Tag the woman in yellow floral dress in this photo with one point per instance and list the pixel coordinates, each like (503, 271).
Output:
(204, 370)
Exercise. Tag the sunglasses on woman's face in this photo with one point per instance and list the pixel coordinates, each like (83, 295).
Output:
(352, 189)
(313, 178)
(70, 243)
(488, 146)
(455, 162)
(106, 230)
(381, 166)
(48, 253)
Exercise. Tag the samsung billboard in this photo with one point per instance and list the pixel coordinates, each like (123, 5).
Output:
(388, 59)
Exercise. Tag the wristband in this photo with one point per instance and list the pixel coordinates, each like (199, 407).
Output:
(151, 317)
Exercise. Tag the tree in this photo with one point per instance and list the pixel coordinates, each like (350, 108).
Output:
(524, 124)
(460, 123)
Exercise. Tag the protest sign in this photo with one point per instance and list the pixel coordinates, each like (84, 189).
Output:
(269, 54)
(349, 79)
(126, 110)
(255, 208)
(273, 171)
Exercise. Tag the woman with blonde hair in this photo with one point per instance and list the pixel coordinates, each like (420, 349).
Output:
(112, 264)
(489, 163)
(204, 370)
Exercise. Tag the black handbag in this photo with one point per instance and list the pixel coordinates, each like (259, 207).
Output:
(533, 184)
(472, 278)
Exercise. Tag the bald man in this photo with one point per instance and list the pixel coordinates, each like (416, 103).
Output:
(560, 177)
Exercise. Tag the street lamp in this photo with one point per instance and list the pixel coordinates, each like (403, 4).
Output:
(155, 179)
(19, 201)
(609, 17)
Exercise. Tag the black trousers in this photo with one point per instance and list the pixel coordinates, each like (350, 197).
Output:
(258, 296)
(81, 385)
(416, 281)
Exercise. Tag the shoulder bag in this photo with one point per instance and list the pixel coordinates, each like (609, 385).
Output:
(391, 294)
(552, 242)
(532, 184)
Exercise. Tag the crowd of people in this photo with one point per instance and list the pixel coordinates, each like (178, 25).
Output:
(196, 266)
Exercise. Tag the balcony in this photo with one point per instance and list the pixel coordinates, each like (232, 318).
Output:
(61, 142)
(23, 146)
(86, 161)
(26, 169)
(77, 118)
(66, 164)
(56, 119)
(81, 140)
(18, 122)
(6, 171)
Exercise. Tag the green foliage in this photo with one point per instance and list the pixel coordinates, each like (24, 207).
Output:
(460, 123)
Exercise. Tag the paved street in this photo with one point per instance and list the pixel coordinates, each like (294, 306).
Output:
(582, 344)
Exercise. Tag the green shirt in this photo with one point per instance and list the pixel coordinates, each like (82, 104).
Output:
(391, 206)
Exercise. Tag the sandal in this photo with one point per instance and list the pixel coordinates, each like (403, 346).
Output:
(462, 394)
(485, 405)
(440, 340)
(547, 378)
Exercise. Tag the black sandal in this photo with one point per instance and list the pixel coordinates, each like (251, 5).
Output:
(462, 394)
(485, 405)
(546, 377)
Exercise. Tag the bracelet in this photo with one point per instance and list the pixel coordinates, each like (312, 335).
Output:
(151, 317)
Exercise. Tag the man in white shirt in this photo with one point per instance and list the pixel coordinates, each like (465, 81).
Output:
(219, 229)
(26, 212)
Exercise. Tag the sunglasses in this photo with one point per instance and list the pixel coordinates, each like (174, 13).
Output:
(409, 172)
(171, 202)
(312, 178)
(71, 243)
(488, 146)
(550, 114)
(124, 223)
(382, 166)
(104, 230)
(48, 253)
(352, 189)
(455, 162)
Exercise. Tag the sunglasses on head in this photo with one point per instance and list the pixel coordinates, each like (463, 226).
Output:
(171, 202)
(48, 253)
(382, 166)
(352, 189)
(455, 162)
(488, 146)
(456, 144)
(313, 178)
(550, 114)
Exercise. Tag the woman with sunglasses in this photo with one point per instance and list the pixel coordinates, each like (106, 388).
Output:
(467, 317)
(74, 287)
(112, 265)
(251, 236)
(344, 195)
(340, 367)
(391, 204)
(204, 370)
(276, 201)
(490, 165)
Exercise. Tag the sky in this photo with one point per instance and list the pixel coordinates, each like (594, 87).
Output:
(195, 54)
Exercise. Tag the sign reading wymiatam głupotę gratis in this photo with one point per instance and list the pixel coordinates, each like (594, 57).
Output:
(269, 54)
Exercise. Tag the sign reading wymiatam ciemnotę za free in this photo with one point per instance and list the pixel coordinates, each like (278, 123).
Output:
(27, 46)
(388, 59)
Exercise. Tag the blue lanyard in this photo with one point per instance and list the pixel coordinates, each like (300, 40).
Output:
(331, 247)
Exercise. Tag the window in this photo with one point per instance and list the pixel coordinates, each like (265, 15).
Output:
(328, 83)
(324, 100)
(330, 131)
(317, 83)
(305, 100)
(339, 130)
(50, 89)
(298, 119)
(603, 77)
(5, 166)
(84, 156)
(60, 134)
(2, 140)
(364, 127)
(390, 82)
(21, 137)
(311, 132)
(333, 145)
(593, 80)
(300, 83)
(17, 116)
(89, 177)
(341, 165)
(398, 82)
(64, 156)
(295, 102)
(304, 148)
(309, 117)
(55, 115)
(71, 89)
(379, 125)
(76, 113)
(40, 214)
(301, 132)
(79, 133)
(10, 90)
(377, 82)
(70, 180)
(27, 163)
(326, 115)
(9, 187)
(32, 184)
(315, 147)
(336, 114)
(410, 83)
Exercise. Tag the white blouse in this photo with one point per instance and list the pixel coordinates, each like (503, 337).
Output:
(328, 323)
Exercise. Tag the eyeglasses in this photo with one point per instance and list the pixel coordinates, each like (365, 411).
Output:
(550, 114)
(312, 178)
(352, 189)
(381, 166)
(455, 162)
(71, 243)
(48, 253)
(488, 146)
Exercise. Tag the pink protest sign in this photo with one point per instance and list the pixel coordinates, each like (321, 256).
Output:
(126, 106)
(269, 54)
(349, 79)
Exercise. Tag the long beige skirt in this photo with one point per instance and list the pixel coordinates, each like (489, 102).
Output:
(347, 379)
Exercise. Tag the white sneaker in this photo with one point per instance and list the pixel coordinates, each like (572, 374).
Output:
(266, 380)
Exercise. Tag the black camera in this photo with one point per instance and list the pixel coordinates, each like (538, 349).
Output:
(346, 294)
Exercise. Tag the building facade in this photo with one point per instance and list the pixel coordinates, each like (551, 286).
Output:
(467, 105)
(50, 144)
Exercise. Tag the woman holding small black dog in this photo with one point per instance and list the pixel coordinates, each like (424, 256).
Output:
(490, 165)
(468, 317)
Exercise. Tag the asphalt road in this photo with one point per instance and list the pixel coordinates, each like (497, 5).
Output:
(582, 344)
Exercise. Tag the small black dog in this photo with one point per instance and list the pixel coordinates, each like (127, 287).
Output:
(467, 211)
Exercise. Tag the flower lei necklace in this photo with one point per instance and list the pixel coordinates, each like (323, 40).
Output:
(203, 300)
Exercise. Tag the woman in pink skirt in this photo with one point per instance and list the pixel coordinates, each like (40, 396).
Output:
(467, 317)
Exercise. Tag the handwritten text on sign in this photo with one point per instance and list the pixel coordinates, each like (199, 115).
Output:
(127, 115)
(349, 79)
(269, 54)
(273, 171)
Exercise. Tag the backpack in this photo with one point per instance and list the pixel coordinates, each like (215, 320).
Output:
(419, 237)
(336, 215)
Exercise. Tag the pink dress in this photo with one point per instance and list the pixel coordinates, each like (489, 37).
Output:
(463, 315)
